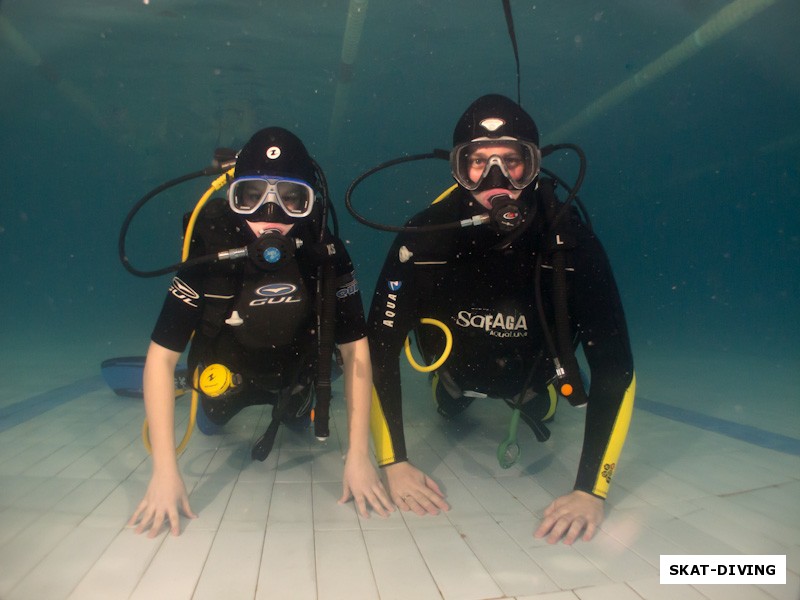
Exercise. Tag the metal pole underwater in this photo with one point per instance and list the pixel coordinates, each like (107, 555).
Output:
(728, 18)
(356, 14)
(31, 57)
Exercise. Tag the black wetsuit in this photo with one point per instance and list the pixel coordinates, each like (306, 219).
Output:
(260, 324)
(486, 298)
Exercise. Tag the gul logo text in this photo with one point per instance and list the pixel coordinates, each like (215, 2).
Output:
(275, 293)
(349, 289)
(183, 292)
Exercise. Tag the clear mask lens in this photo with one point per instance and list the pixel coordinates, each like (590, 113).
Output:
(518, 161)
(247, 194)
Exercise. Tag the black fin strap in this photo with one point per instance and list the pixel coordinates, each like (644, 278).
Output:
(263, 445)
(540, 430)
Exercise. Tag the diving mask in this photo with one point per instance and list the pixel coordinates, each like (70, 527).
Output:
(247, 194)
(518, 160)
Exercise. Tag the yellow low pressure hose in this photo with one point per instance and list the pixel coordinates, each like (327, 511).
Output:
(448, 347)
(216, 185)
(445, 193)
(189, 426)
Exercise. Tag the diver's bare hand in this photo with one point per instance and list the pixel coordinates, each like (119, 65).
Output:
(412, 490)
(165, 497)
(569, 515)
(362, 483)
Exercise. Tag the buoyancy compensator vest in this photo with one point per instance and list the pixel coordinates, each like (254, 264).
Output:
(248, 312)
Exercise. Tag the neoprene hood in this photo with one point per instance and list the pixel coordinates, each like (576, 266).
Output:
(495, 116)
(276, 151)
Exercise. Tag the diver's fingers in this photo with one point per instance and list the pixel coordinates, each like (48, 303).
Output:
(379, 501)
(174, 521)
(382, 502)
(137, 514)
(186, 509)
(158, 521)
(432, 485)
(346, 493)
(361, 505)
(146, 518)
(425, 503)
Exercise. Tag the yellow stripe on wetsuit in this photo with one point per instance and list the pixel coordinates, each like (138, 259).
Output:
(384, 449)
(618, 434)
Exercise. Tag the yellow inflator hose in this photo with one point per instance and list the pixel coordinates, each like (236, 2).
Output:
(448, 347)
(216, 185)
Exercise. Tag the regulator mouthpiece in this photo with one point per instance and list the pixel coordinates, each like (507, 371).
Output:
(506, 214)
(272, 250)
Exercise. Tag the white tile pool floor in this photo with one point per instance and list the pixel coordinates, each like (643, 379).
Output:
(72, 469)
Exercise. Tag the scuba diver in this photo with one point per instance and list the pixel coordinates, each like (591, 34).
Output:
(254, 324)
(521, 270)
